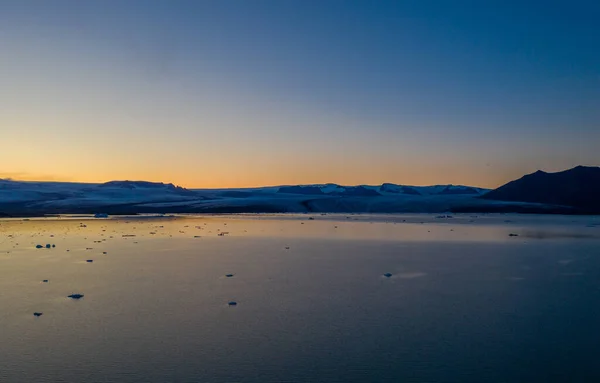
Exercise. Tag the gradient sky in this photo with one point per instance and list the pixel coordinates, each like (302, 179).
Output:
(246, 93)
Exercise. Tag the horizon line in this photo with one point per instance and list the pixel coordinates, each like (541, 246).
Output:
(11, 179)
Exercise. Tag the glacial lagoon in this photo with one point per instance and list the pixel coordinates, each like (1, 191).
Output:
(300, 298)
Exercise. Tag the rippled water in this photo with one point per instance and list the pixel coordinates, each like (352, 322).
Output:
(465, 302)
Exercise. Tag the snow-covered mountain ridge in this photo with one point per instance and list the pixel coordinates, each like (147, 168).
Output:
(20, 198)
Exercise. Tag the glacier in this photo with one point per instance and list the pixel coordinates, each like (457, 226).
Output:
(26, 198)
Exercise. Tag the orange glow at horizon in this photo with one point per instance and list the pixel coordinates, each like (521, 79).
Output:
(227, 178)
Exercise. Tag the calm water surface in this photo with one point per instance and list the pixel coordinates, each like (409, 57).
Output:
(465, 303)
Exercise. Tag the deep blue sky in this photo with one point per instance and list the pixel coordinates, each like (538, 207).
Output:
(241, 93)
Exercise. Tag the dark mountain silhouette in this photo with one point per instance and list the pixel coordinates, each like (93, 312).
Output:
(578, 187)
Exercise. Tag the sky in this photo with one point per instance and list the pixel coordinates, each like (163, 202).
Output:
(241, 93)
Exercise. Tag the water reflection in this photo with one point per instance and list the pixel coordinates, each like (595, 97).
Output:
(312, 302)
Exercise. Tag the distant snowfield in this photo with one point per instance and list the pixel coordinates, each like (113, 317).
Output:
(128, 197)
